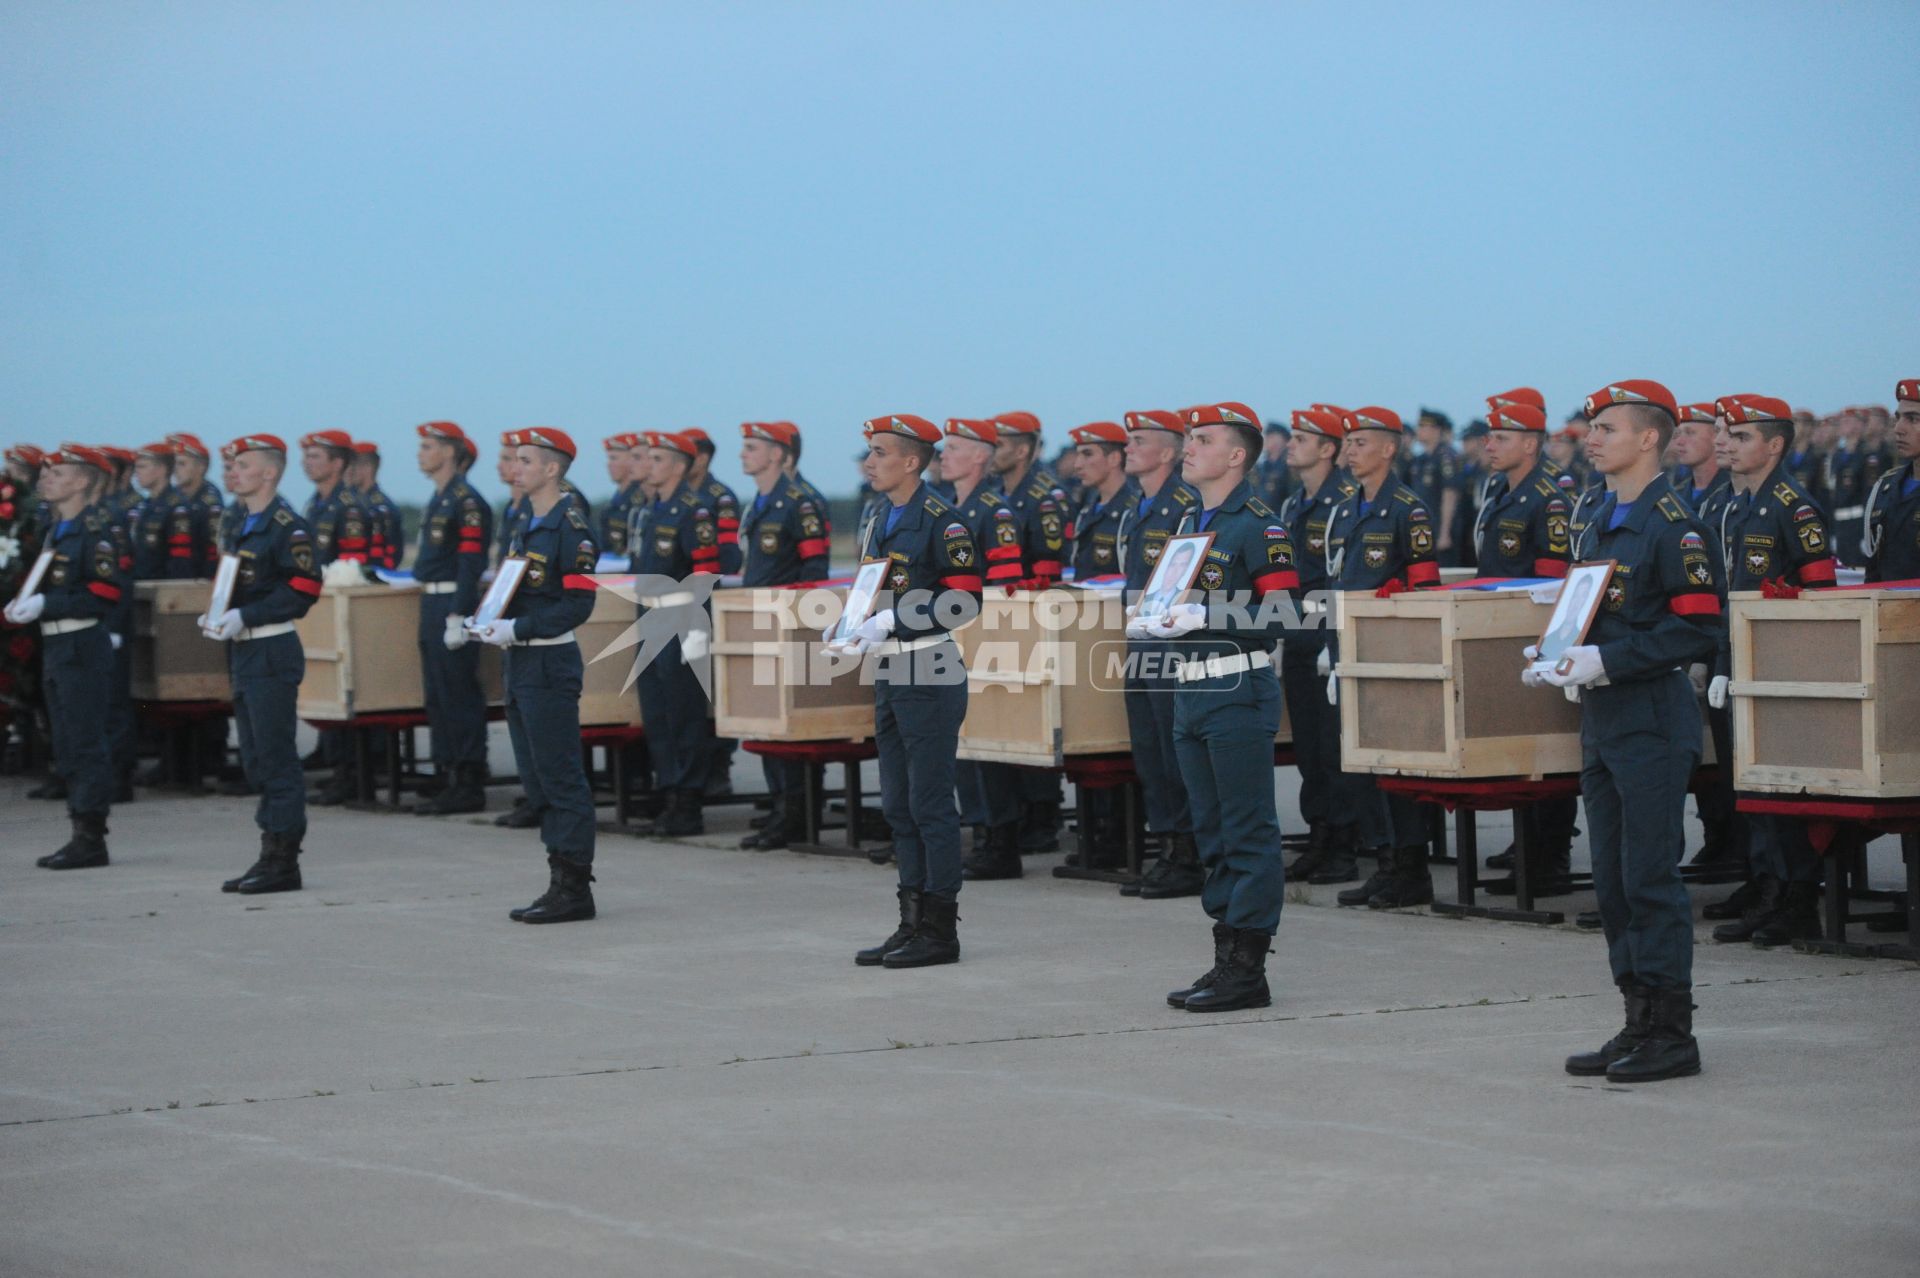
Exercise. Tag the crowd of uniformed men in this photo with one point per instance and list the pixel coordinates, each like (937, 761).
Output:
(1690, 500)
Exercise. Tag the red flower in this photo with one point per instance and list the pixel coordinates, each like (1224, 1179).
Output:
(6, 509)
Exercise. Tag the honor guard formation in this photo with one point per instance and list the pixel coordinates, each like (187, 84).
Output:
(1226, 545)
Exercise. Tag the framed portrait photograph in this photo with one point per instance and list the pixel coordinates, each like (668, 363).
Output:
(35, 575)
(494, 604)
(1173, 575)
(860, 596)
(224, 578)
(1573, 612)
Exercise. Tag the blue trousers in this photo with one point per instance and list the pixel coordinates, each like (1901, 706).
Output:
(543, 718)
(1316, 729)
(125, 746)
(674, 711)
(1150, 715)
(456, 708)
(918, 705)
(996, 791)
(78, 674)
(1640, 743)
(1223, 737)
(266, 677)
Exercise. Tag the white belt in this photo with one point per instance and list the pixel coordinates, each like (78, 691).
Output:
(1849, 512)
(544, 643)
(265, 632)
(438, 587)
(892, 646)
(69, 626)
(1214, 667)
(673, 600)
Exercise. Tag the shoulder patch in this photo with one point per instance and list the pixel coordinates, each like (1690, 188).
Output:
(1692, 541)
(954, 530)
(1803, 513)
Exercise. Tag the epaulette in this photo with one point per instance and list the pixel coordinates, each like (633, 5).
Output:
(794, 492)
(1259, 508)
(1546, 487)
(1670, 506)
(1184, 496)
(283, 516)
(1786, 492)
(97, 518)
(935, 506)
(1348, 486)
(1039, 488)
(1404, 497)
(575, 518)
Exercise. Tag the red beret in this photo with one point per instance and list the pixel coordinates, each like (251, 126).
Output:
(366, 448)
(81, 455)
(1752, 408)
(1907, 392)
(1697, 412)
(672, 441)
(328, 439)
(698, 438)
(1098, 433)
(549, 437)
(1374, 418)
(1517, 417)
(623, 442)
(1156, 419)
(1575, 430)
(443, 430)
(973, 428)
(189, 444)
(1632, 391)
(782, 433)
(1319, 421)
(26, 455)
(253, 443)
(163, 450)
(1018, 423)
(1335, 409)
(1526, 395)
(1228, 412)
(912, 427)
(115, 453)
(510, 438)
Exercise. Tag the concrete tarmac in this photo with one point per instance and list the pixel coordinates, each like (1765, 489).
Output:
(383, 1075)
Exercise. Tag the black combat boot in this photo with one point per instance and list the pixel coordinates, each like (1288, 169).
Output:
(1000, 859)
(936, 937)
(1668, 1048)
(683, 816)
(1768, 895)
(1222, 950)
(1410, 883)
(434, 785)
(1589, 920)
(51, 788)
(1502, 860)
(789, 825)
(339, 787)
(86, 849)
(568, 898)
(1736, 904)
(909, 924)
(465, 791)
(1339, 867)
(266, 845)
(1242, 983)
(1797, 919)
(1319, 848)
(1381, 876)
(1156, 868)
(1631, 1035)
(1720, 859)
(1040, 828)
(123, 789)
(1183, 877)
(278, 869)
(1550, 873)
(523, 816)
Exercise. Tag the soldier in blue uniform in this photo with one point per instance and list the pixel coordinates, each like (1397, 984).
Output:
(783, 542)
(119, 501)
(1772, 531)
(1640, 727)
(278, 580)
(675, 536)
(1434, 475)
(455, 530)
(1381, 538)
(386, 531)
(1525, 530)
(336, 515)
(1891, 546)
(544, 671)
(1475, 480)
(626, 490)
(193, 523)
(717, 778)
(1273, 479)
(1847, 475)
(506, 466)
(147, 517)
(1227, 701)
(932, 583)
(1161, 499)
(1314, 455)
(84, 587)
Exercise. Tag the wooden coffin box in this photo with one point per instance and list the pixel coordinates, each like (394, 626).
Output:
(1430, 686)
(172, 660)
(1826, 693)
(607, 698)
(771, 680)
(363, 652)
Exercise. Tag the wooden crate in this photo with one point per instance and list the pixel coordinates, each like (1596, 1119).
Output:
(1430, 686)
(1826, 693)
(363, 652)
(172, 660)
(770, 680)
(607, 699)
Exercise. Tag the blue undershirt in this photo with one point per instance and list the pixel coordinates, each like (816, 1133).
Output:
(1621, 512)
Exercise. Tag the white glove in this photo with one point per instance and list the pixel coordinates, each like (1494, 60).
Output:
(1137, 629)
(1573, 693)
(342, 573)
(1717, 692)
(498, 633)
(695, 644)
(22, 611)
(1531, 652)
(455, 635)
(228, 626)
(1585, 667)
(1697, 676)
(1181, 619)
(1333, 689)
(1323, 664)
(116, 641)
(876, 628)
(1531, 677)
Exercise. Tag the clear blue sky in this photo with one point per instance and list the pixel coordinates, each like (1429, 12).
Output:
(227, 217)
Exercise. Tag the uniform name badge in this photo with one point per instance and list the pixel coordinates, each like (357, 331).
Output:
(499, 594)
(1573, 612)
(31, 586)
(222, 597)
